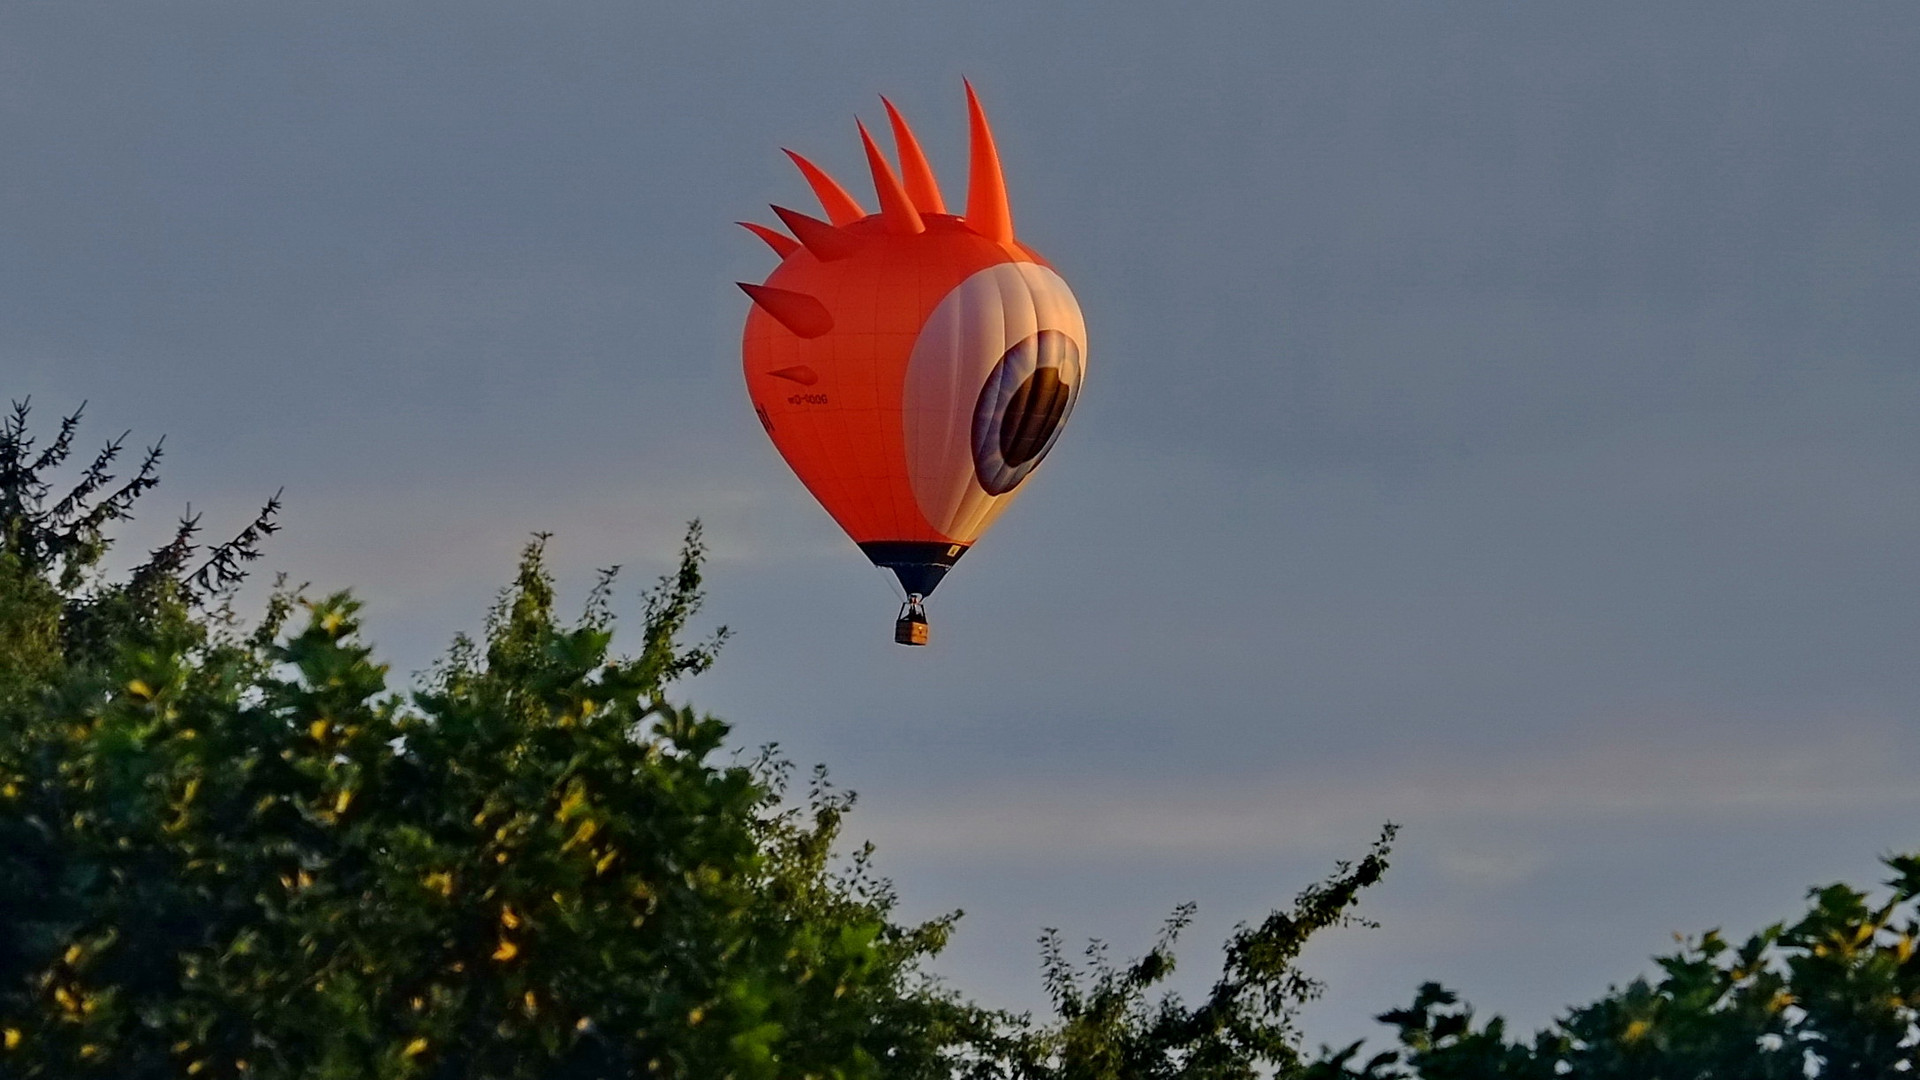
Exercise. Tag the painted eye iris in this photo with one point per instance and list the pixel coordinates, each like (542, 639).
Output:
(1022, 407)
(1033, 414)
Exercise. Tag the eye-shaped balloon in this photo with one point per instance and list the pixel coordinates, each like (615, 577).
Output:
(913, 366)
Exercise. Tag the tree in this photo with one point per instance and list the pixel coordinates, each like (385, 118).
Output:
(239, 854)
(1835, 994)
(233, 853)
(1108, 1029)
(226, 855)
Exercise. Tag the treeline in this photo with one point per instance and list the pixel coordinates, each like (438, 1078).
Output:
(231, 849)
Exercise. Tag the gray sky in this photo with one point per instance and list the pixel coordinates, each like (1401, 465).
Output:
(1500, 421)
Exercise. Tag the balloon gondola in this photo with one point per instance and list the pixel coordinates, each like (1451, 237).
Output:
(911, 627)
(912, 366)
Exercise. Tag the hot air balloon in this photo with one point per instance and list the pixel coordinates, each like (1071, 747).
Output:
(912, 366)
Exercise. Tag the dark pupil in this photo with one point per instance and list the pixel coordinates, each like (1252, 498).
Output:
(1032, 413)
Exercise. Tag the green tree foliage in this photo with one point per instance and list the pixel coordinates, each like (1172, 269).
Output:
(242, 856)
(1835, 995)
(1109, 1028)
(233, 854)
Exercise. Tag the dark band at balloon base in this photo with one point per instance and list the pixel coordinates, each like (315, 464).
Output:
(919, 564)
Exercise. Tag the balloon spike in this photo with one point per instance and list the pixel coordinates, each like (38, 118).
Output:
(825, 241)
(987, 211)
(797, 311)
(840, 207)
(922, 187)
(801, 374)
(896, 209)
(782, 244)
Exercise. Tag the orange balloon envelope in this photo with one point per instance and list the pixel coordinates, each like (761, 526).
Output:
(913, 366)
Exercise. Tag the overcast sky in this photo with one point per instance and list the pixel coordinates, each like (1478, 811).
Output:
(1500, 420)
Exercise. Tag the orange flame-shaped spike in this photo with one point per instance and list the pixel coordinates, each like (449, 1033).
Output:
(987, 211)
(803, 314)
(799, 373)
(782, 244)
(840, 207)
(825, 241)
(895, 208)
(922, 188)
